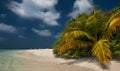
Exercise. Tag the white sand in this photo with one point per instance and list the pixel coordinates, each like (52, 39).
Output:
(46, 55)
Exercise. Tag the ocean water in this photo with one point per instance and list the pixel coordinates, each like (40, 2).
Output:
(8, 62)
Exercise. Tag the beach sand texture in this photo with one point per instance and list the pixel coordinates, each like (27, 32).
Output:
(44, 60)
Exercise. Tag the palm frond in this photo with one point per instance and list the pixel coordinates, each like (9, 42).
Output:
(107, 34)
(76, 34)
(112, 17)
(71, 44)
(114, 24)
(102, 51)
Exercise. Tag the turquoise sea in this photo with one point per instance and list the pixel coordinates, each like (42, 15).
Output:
(8, 61)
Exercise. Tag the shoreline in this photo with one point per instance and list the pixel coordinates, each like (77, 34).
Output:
(45, 56)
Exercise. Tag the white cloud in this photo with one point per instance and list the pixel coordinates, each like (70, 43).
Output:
(40, 9)
(7, 28)
(81, 6)
(45, 32)
(45, 3)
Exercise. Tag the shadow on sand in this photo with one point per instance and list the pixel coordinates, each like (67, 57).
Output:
(87, 60)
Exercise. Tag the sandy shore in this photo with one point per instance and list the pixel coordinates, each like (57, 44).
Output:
(44, 60)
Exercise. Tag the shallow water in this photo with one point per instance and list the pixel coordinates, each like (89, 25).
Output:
(8, 62)
(17, 60)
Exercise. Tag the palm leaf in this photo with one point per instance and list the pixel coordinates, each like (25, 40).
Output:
(114, 24)
(76, 34)
(71, 44)
(107, 34)
(112, 17)
(102, 52)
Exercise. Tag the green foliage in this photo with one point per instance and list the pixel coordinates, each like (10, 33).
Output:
(57, 45)
(77, 52)
(115, 48)
(89, 35)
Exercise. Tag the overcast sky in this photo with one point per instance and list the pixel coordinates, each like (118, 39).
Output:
(38, 23)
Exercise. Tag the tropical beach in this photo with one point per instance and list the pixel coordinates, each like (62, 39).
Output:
(59, 35)
(34, 60)
(44, 60)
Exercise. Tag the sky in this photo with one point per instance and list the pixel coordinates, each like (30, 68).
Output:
(38, 23)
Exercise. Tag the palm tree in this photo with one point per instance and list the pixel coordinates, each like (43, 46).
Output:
(93, 31)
